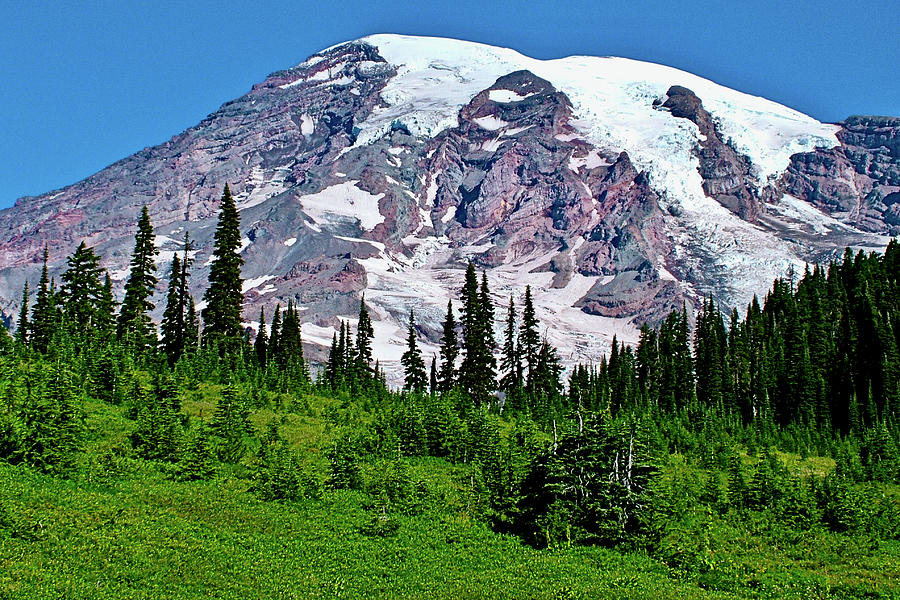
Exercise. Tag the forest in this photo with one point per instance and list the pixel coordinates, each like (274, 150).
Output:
(737, 454)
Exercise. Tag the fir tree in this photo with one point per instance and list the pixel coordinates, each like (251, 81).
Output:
(136, 328)
(364, 335)
(529, 336)
(224, 298)
(82, 291)
(172, 325)
(449, 352)
(262, 340)
(274, 347)
(191, 328)
(44, 316)
(22, 327)
(477, 372)
(510, 363)
(415, 379)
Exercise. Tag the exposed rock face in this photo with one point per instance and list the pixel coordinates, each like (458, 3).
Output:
(348, 182)
(857, 181)
(725, 173)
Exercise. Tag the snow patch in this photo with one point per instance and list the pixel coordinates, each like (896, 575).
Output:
(490, 122)
(507, 96)
(343, 202)
(249, 284)
(307, 125)
(290, 242)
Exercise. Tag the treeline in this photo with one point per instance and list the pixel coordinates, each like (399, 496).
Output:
(813, 369)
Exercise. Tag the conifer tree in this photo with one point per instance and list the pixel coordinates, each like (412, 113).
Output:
(135, 328)
(415, 379)
(172, 326)
(262, 340)
(529, 336)
(364, 335)
(433, 377)
(274, 348)
(510, 363)
(44, 316)
(22, 327)
(224, 298)
(106, 310)
(191, 328)
(231, 425)
(449, 352)
(477, 372)
(82, 291)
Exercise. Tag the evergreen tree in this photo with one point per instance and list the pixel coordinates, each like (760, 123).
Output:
(106, 310)
(274, 347)
(529, 336)
(415, 379)
(433, 377)
(510, 362)
(82, 292)
(231, 426)
(477, 372)
(262, 340)
(172, 325)
(224, 298)
(44, 315)
(22, 327)
(136, 328)
(364, 335)
(191, 328)
(449, 352)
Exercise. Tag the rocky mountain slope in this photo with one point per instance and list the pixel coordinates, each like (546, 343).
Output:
(617, 189)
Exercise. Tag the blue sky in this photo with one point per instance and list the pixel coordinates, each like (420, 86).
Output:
(83, 85)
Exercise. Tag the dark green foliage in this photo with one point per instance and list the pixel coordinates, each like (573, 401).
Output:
(158, 433)
(135, 326)
(277, 474)
(449, 352)
(231, 427)
(415, 379)
(477, 372)
(23, 324)
(45, 428)
(260, 345)
(196, 460)
(44, 316)
(224, 298)
(172, 325)
(81, 295)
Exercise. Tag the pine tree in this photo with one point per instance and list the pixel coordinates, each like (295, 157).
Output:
(82, 291)
(191, 328)
(364, 335)
(22, 327)
(449, 352)
(433, 377)
(44, 315)
(106, 310)
(136, 328)
(510, 363)
(415, 379)
(529, 336)
(477, 372)
(224, 298)
(274, 348)
(231, 425)
(261, 343)
(172, 325)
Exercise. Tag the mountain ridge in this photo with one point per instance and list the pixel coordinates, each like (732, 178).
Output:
(382, 186)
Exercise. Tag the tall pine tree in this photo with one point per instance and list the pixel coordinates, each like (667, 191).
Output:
(224, 298)
(136, 329)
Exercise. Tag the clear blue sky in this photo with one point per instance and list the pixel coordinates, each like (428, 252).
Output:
(83, 85)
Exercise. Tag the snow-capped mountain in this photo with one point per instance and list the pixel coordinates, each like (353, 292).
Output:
(618, 189)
